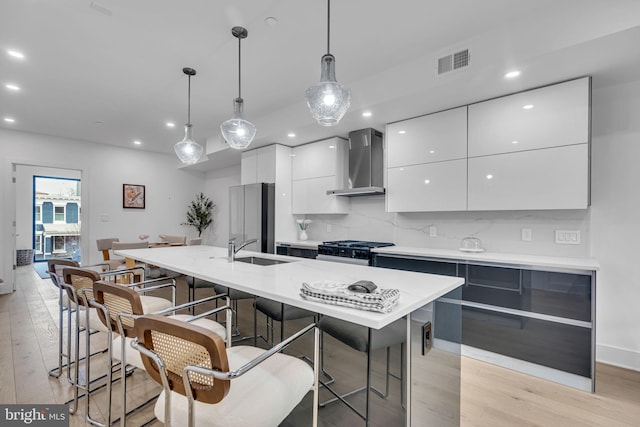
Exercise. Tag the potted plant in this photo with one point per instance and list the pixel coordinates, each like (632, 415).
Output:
(200, 213)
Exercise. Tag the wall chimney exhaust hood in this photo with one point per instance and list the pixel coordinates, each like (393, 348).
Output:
(365, 164)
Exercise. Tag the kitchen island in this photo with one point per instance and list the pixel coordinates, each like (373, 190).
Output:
(282, 281)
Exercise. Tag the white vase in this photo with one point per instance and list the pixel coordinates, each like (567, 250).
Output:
(303, 235)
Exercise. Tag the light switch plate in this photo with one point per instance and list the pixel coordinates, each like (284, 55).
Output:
(433, 231)
(526, 235)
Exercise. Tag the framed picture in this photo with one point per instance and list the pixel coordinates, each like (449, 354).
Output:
(133, 196)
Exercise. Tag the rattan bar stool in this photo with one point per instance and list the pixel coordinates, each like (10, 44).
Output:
(204, 382)
(79, 282)
(118, 306)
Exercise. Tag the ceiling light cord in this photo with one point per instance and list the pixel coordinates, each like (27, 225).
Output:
(239, 67)
(189, 102)
(328, 25)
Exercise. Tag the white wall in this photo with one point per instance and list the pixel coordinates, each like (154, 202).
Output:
(216, 186)
(615, 220)
(104, 169)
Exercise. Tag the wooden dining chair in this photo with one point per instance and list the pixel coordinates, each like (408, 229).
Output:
(208, 384)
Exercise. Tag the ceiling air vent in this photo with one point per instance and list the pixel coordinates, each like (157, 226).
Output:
(454, 61)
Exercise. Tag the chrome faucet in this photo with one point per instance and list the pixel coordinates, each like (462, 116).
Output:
(233, 250)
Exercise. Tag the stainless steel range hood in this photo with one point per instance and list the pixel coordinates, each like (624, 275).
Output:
(365, 164)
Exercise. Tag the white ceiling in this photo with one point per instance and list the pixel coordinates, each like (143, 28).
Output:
(110, 71)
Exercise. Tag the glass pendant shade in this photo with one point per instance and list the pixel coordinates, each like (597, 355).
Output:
(237, 131)
(187, 150)
(328, 100)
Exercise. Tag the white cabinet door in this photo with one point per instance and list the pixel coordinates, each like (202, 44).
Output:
(321, 158)
(432, 138)
(316, 168)
(438, 186)
(552, 116)
(248, 167)
(309, 196)
(258, 165)
(552, 178)
(266, 164)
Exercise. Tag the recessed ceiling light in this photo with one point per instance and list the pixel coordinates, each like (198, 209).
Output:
(431, 151)
(97, 123)
(137, 142)
(489, 176)
(366, 114)
(291, 135)
(514, 142)
(332, 146)
(426, 181)
(512, 74)
(9, 120)
(15, 54)
(528, 106)
(171, 125)
(11, 86)
(402, 132)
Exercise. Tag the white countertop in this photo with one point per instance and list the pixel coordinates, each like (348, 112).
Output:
(281, 282)
(521, 260)
(307, 244)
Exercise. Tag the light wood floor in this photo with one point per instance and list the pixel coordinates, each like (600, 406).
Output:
(490, 396)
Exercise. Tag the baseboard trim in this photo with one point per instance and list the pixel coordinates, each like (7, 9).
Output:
(616, 356)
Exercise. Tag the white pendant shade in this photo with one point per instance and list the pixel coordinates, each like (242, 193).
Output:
(187, 150)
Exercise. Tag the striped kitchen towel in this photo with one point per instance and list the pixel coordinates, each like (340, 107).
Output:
(380, 300)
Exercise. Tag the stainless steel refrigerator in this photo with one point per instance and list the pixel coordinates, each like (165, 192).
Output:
(251, 215)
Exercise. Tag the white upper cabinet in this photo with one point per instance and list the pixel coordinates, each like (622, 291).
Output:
(258, 165)
(551, 116)
(429, 187)
(316, 168)
(554, 178)
(328, 157)
(426, 139)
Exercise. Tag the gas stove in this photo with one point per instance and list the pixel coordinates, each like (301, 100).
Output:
(351, 251)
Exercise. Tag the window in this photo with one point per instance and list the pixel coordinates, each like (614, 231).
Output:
(38, 213)
(38, 244)
(59, 214)
(58, 243)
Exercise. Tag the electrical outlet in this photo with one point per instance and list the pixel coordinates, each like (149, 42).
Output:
(433, 231)
(426, 337)
(328, 228)
(526, 235)
(568, 237)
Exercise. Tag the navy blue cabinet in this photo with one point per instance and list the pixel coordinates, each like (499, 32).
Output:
(542, 317)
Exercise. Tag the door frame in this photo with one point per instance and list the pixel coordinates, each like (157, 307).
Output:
(8, 250)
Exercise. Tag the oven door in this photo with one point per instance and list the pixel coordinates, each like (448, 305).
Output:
(342, 259)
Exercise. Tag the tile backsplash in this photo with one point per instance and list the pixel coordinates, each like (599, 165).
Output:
(500, 231)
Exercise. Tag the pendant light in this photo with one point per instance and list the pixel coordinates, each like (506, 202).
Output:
(328, 100)
(187, 150)
(237, 131)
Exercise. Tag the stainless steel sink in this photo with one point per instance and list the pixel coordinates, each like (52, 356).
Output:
(261, 261)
